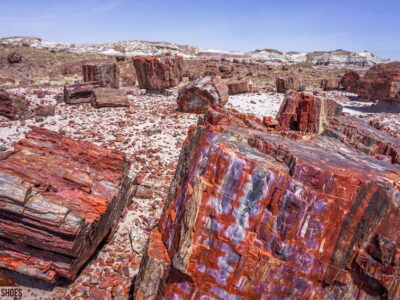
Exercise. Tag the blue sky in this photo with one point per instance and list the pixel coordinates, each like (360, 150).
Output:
(299, 25)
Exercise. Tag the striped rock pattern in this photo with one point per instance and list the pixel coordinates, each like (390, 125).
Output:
(59, 198)
(254, 215)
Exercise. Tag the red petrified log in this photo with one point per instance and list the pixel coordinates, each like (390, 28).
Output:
(107, 74)
(202, 94)
(79, 92)
(252, 215)
(290, 83)
(239, 87)
(381, 82)
(330, 84)
(158, 72)
(306, 112)
(13, 106)
(105, 97)
(350, 81)
(359, 135)
(59, 198)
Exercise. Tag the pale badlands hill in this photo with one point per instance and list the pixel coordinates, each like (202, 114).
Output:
(133, 48)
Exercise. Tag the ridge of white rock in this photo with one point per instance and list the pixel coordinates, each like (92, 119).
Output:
(136, 48)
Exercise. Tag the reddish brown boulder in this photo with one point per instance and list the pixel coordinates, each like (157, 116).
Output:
(14, 58)
(79, 92)
(289, 83)
(12, 106)
(105, 97)
(158, 72)
(107, 74)
(350, 81)
(381, 82)
(59, 198)
(252, 215)
(239, 87)
(330, 84)
(306, 112)
(201, 94)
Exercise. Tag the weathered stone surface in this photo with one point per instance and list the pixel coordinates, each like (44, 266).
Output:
(239, 87)
(158, 72)
(107, 74)
(350, 81)
(79, 92)
(306, 112)
(290, 83)
(14, 58)
(106, 97)
(201, 94)
(13, 106)
(251, 215)
(330, 84)
(359, 135)
(381, 82)
(59, 198)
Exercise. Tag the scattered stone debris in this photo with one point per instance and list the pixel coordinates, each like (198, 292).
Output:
(158, 72)
(106, 97)
(201, 94)
(59, 199)
(250, 208)
(107, 74)
(79, 92)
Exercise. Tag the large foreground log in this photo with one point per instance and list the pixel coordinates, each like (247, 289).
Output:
(381, 82)
(107, 74)
(59, 198)
(13, 107)
(252, 215)
(79, 92)
(158, 72)
(202, 94)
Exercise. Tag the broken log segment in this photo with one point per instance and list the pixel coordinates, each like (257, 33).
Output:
(59, 198)
(107, 74)
(106, 97)
(79, 92)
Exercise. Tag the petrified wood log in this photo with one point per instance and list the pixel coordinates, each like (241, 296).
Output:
(361, 136)
(350, 81)
(107, 74)
(306, 112)
(201, 94)
(13, 106)
(290, 83)
(251, 215)
(330, 84)
(381, 82)
(79, 92)
(158, 72)
(59, 198)
(106, 97)
(239, 87)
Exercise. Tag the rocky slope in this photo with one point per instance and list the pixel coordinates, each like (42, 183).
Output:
(134, 48)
